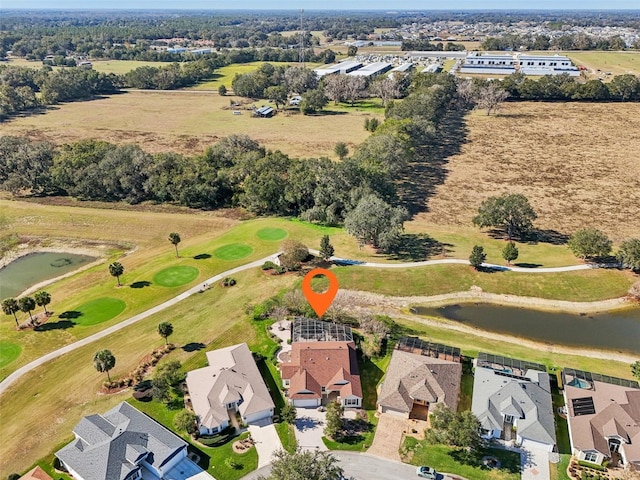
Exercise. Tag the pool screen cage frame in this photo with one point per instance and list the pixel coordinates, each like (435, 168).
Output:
(487, 360)
(597, 377)
(429, 349)
(311, 330)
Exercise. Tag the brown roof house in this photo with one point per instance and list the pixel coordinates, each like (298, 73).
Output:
(231, 383)
(36, 474)
(604, 417)
(323, 366)
(414, 382)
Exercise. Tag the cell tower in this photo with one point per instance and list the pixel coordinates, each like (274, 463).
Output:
(301, 53)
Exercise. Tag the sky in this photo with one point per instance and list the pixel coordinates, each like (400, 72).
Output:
(387, 5)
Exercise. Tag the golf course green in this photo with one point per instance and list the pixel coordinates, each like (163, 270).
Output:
(96, 311)
(176, 276)
(272, 234)
(233, 251)
(8, 353)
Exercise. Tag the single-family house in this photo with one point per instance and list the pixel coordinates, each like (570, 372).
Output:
(604, 417)
(230, 384)
(512, 400)
(323, 366)
(126, 444)
(36, 474)
(416, 380)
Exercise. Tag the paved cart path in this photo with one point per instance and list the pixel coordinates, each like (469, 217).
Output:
(13, 377)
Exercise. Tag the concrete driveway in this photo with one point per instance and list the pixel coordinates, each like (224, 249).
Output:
(389, 433)
(265, 439)
(310, 429)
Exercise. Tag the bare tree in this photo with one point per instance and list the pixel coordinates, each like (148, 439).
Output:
(335, 87)
(490, 97)
(355, 88)
(386, 88)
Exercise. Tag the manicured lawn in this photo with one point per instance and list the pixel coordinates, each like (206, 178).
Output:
(272, 234)
(94, 312)
(211, 458)
(562, 427)
(558, 471)
(357, 443)
(453, 460)
(175, 276)
(234, 251)
(287, 436)
(8, 352)
(466, 386)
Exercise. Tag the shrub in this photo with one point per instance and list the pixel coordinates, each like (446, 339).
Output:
(269, 265)
(231, 463)
(143, 395)
(593, 466)
(228, 282)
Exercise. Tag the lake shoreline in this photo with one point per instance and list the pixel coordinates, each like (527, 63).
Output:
(99, 250)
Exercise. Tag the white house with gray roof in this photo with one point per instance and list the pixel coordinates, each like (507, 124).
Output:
(516, 405)
(231, 383)
(126, 444)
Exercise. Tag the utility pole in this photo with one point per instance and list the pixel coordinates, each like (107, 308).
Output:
(301, 53)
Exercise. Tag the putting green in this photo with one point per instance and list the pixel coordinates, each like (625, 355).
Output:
(272, 234)
(233, 251)
(99, 310)
(176, 276)
(8, 353)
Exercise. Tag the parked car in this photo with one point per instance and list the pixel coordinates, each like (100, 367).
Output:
(426, 472)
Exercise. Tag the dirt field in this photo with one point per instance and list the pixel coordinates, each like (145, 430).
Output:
(187, 122)
(577, 163)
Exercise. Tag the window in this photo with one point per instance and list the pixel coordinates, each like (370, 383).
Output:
(324, 389)
(508, 418)
(351, 402)
(591, 457)
(286, 382)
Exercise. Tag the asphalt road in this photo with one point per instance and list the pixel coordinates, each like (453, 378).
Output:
(361, 466)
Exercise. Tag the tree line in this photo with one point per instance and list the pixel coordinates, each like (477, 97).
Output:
(237, 171)
(571, 41)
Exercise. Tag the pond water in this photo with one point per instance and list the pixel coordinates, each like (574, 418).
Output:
(37, 267)
(617, 330)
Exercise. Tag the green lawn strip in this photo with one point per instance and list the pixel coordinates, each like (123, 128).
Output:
(92, 313)
(578, 286)
(8, 352)
(558, 471)
(562, 427)
(212, 459)
(287, 436)
(176, 276)
(453, 460)
(233, 251)
(471, 344)
(466, 385)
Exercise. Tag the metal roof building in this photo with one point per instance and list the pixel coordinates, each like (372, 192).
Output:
(491, 64)
(343, 67)
(547, 65)
(371, 70)
(264, 111)
(433, 68)
(405, 67)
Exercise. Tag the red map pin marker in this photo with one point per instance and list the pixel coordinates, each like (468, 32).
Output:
(320, 302)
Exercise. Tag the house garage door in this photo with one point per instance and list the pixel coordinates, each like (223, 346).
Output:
(311, 402)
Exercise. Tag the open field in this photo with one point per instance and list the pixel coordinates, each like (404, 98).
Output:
(105, 66)
(225, 75)
(573, 161)
(188, 122)
(618, 63)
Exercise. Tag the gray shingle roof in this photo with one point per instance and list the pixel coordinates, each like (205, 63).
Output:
(527, 399)
(232, 375)
(411, 376)
(107, 445)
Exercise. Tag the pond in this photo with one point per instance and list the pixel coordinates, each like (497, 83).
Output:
(616, 330)
(34, 268)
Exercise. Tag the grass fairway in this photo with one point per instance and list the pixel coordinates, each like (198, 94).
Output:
(8, 352)
(272, 234)
(67, 388)
(571, 160)
(234, 251)
(189, 121)
(95, 311)
(175, 276)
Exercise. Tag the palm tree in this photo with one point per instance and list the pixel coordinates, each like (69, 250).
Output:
(116, 269)
(26, 304)
(174, 238)
(104, 361)
(10, 307)
(42, 300)
(164, 330)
